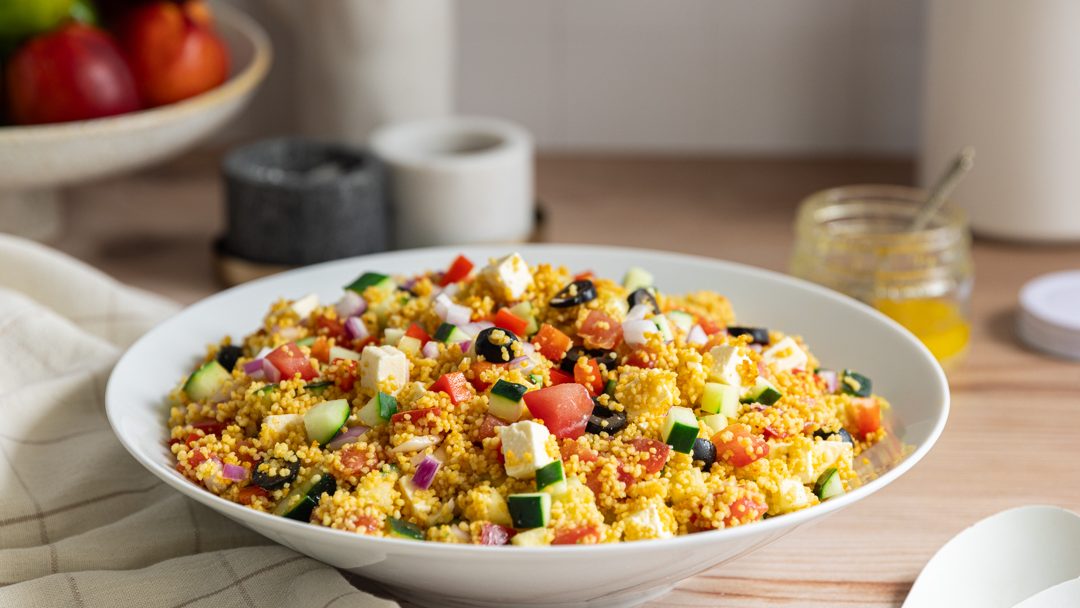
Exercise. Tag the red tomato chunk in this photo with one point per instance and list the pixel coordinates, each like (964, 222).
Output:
(599, 330)
(290, 360)
(454, 384)
(739, 446)
(459, 269)
(564, 409)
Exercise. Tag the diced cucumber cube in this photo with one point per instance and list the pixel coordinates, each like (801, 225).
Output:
(340, 352)
(308, 341)
(680, 429)
(325, 419)
(530, 510)
(551, 478)
(762, 392)
(393, 335)
(206, 381)
(371, 279)
(536, 379)
(302, 500)
(317, 387)
(506, 400)
(636, 278)
(523, 310)
(450, 334)
(720, 399)
(530, 538)
(856, 384)
(378, 410)
(715, 422)
(399, 528)
(683, 320)
(829, 484)
(664, 327)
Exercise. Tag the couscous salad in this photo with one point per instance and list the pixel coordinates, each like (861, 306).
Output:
(518, 404)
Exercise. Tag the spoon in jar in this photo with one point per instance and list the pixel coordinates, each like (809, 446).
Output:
(963, 163)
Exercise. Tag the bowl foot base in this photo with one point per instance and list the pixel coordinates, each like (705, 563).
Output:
(33, 214)
(419, 599)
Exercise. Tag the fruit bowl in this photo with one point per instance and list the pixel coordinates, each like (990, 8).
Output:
(839, 328)
(35, 160)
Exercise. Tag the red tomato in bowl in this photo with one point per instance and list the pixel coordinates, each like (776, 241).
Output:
(738, 445)
(290, 360)
(564, 409)
(600, 330)
(74, 73)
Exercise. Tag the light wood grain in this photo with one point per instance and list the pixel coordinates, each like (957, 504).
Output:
(1011, 438)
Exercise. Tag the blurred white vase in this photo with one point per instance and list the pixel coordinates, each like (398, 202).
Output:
(365, 63)
(1005, 76)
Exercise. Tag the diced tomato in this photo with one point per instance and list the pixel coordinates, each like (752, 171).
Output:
(455, 385)
(197, 458)
(210, 427)
(367, 524)
(331, 328)
(657, 452)
(488, 427)
(867, 416)
(559, 377)
(592, 480)
(587, 374)
(584, 274)
(358, 345)
(709, 326)
(738, 445)
(344, 374)
(745, 510)
(192, 438)
(290, 360)
(600, 330)
(415, 331)
(423, 418)
(564, 409)
(459, 269)
(248, 494)
(359, 459)
(508, 320)
(771, 433)
(320, 349)
(569, 448)
(641, 357)
(494, 534)
(478, 368)
(573, 536)
(552, 343)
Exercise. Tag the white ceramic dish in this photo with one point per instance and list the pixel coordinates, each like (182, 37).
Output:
(840, 330)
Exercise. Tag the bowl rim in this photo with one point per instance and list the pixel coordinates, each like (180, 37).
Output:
(774, 525)
(241, 82)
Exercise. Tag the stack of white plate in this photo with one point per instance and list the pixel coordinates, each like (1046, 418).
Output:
(1049, 317)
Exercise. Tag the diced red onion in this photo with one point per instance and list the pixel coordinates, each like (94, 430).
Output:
(527, 348)
(351, 305)
(356, 329)
(234, 472)
(494, 534)
(347, 436)
(430, 350)
(634, 331)
(830, 378)
(425, 473)
(252, 367)
(410, 283)
(696, 335)
(270, 373)
(638, 312)
(416, 444)
(524, 364)
(465, 345)
(458, 315)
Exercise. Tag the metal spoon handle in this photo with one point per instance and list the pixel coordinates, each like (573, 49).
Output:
(963, 163)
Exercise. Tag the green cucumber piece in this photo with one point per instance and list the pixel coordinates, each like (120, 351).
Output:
(829, 484)
(308, 341)
(762, 392)
(393, 335)
(636, 278)
(530, 510)
(450, 334)
(314, 387)
(536, 537)
(399, 528)
(325, 419)
(340, 352)
(378, 410)
(304, 497)
(856, 384)
(524, 310)
(206, 381)
(715, 422)
(683, 320)
(551, 478)
(372, 279)
(536, 379)
(609, 388)
(664, 326)
(680, 429)
(506, 400)
(720, 399)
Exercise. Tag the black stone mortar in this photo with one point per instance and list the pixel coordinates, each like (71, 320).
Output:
(294, 201)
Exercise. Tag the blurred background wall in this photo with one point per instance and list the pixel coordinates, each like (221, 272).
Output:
(768, 77)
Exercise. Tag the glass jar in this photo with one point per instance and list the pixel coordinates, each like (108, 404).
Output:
(855, 239)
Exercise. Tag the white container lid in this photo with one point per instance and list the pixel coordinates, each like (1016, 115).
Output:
(1049, 318)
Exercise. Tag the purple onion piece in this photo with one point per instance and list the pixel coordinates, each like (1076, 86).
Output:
(425, 473)
(351, 305)
(430, 350)
(524, 364)
(347, 436)
(252, 367)
(831, 380)
(355, 327)
(271, 373)
(234, 472)
(697, 335)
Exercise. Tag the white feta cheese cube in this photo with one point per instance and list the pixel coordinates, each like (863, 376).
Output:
(510, 275)
(785, 355)
(825, 454)
(524, 448)
(305, 305)
(791, 496)
(277, 427)
(383, 366)
(725, 366)
(646, 523)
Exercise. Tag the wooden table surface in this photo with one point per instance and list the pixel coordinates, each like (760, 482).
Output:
(1011, 439)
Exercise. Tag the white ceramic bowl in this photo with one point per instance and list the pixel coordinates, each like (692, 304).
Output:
(46, 156)
(840, 330)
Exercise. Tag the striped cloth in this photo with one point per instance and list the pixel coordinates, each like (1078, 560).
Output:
(81, 523)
